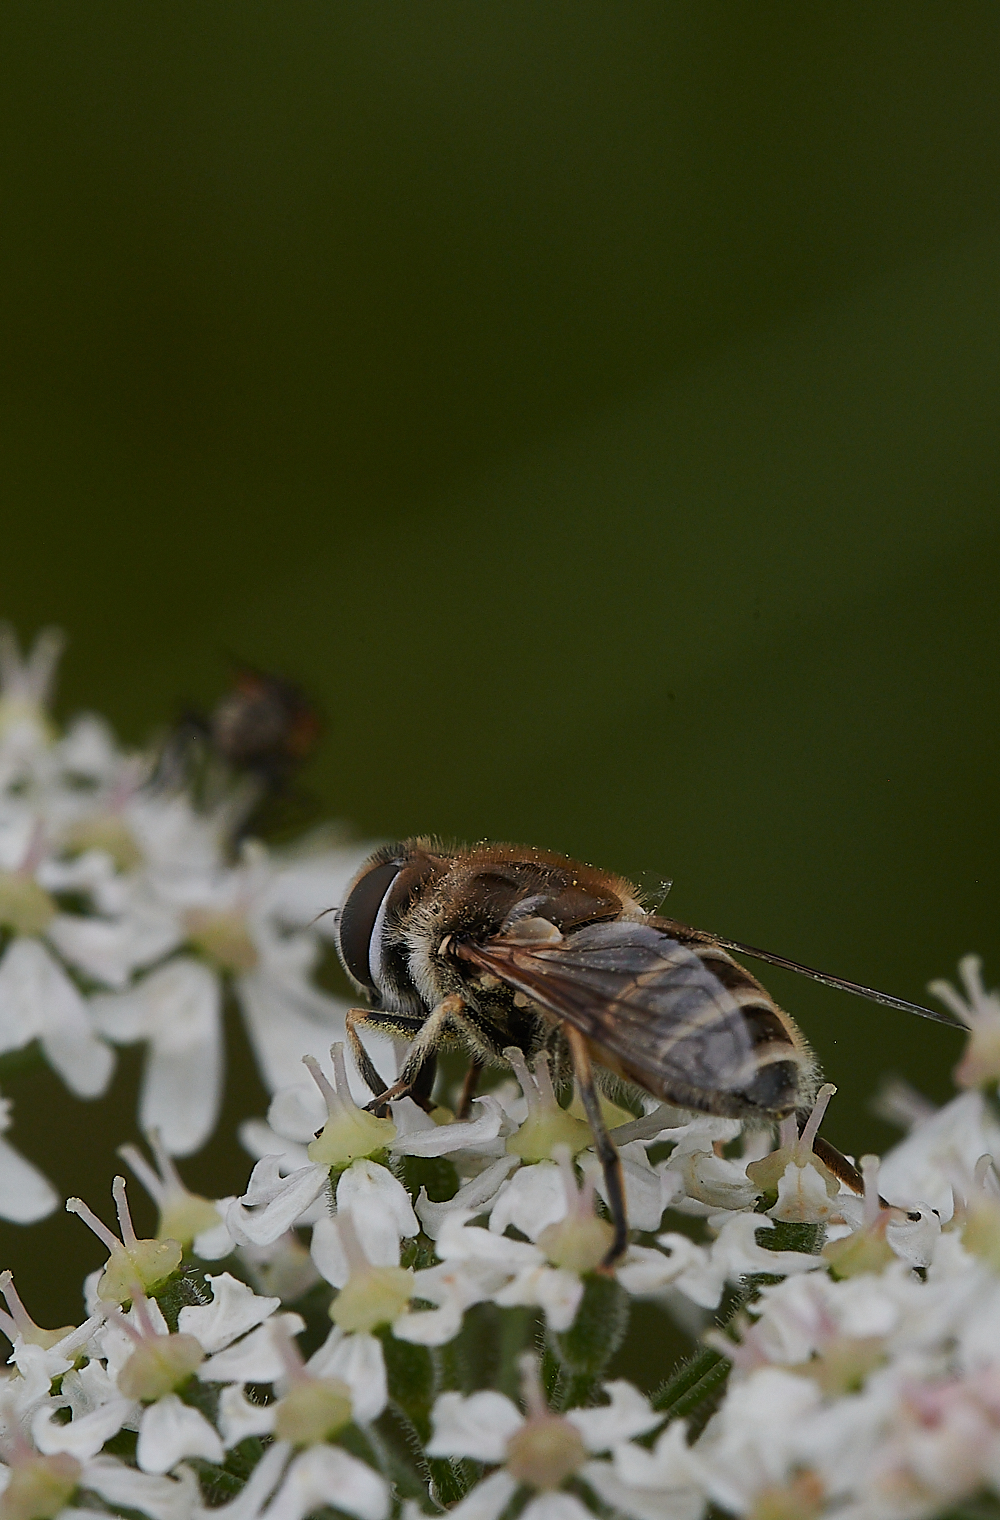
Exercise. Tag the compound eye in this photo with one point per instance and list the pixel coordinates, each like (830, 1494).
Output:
(358, 918)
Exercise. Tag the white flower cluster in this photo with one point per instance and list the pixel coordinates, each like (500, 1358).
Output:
(414, 1313)
(865, 1371)
(124, 917)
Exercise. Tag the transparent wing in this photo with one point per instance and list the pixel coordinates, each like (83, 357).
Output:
(639, 996)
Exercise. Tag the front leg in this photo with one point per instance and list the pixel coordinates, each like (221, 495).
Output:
(451, 1010)
(363, 1061)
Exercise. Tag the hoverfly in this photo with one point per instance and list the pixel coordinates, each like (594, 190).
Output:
(499, 946)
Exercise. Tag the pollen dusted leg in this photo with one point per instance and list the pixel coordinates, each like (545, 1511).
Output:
(603, 1143)
(451, 1010)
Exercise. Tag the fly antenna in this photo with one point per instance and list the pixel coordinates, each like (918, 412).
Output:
(841, 983)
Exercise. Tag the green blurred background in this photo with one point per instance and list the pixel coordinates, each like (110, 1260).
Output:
(595, 406)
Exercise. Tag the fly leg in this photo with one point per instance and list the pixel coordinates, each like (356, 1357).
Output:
(604, 1145)
(363, 1061)
(469, 1086)
(449, 1011)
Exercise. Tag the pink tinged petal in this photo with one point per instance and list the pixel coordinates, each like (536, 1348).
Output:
(37, 999)
(238, 1418)
(84, 1436)
(255, 1359)
(171, 1430)
(488, 1500)
(160, 1497)
(25, 1195)
(327, 1475)
(533, 1198)
(234, 1309)
(627, 1415)
(478, 1426)
(444, 1139)
(359, 1361)
(556, 1507)
(272, 1203)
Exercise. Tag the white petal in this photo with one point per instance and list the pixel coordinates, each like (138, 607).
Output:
(254, 1359)
(25, 1195)
(430, 1327)
(37, 998)
(556, 1507)
(304, 885)
(684, 1503)
(215, 1243)
(366, 1186)
(182, 1081)
(644, 1191)
(297, 1112)
(533, 1198)
(171, 1430)
(444, 1139)
(922, 1168)
(109, 950)
(238, 1418)
(234, 1309)
(488, 1500)
(83, 1436)
(627, 1415)
(556, 1292)
(737, 1253)
(669, 1465)
(327, 1475)
(458, 1241)
(479, 1425)
(328, 1253)
(260, 1140)
(287, 1018)
(272, 1203)
(473, 1196)
(359, 1361)
(162, 1498)
(802, 1196)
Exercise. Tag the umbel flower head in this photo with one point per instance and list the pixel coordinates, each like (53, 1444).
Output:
(414, 1313)
(130, 915)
